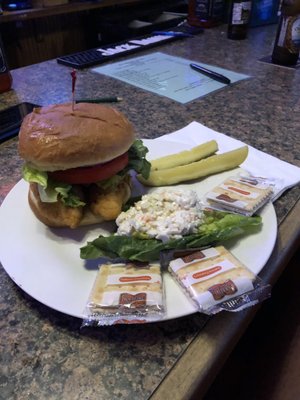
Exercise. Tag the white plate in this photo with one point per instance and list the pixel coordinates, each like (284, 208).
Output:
(46, 264)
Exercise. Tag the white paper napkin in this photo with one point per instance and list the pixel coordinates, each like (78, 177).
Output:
(258, 163)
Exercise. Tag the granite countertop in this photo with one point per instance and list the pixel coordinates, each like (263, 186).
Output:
(45, 354)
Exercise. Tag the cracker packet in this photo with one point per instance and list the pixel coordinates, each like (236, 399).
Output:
(126, 293)
(215, 280)
(241, 194)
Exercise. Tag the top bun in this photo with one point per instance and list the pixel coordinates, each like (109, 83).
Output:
(57, 137)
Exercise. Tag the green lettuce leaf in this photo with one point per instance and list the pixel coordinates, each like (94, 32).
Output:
(34, 175)
(68, 197)
(137, 162)
(216, 228)
(49, 190)
(137, 159)
(111, 183)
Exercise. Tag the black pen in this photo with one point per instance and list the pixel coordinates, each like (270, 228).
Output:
(111, 99)
(210, 74)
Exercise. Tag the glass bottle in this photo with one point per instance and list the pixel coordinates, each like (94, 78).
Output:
(287, 41)
(5, 75)
(239, 18)
(205, 13)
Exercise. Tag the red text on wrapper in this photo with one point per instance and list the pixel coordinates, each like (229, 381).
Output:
(128, 300)
(221, 290)
(206, 272)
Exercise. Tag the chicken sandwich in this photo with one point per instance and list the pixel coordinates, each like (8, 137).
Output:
(78, 162)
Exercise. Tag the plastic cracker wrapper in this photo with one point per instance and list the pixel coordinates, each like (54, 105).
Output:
(215, 280)
(126, 293)
(241, 194)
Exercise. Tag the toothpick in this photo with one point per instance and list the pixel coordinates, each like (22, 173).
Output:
(73, 75)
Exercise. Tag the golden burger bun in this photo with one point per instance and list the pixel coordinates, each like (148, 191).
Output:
(56, 137)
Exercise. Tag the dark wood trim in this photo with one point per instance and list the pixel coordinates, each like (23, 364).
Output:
(34, 13)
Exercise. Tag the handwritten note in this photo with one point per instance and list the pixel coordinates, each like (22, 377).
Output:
(167, 76)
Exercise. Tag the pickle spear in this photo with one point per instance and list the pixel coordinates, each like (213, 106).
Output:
(195, 170)
(185, 157)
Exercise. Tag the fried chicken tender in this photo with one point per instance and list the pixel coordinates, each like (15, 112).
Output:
(72, 216)
(69, 216)
(54, 214)
(108, 205)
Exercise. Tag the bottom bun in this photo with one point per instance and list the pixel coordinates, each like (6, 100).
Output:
(55, 215)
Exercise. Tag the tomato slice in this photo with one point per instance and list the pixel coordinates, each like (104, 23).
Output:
(94, 173)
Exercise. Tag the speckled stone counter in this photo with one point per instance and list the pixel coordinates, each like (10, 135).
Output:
(45, 354)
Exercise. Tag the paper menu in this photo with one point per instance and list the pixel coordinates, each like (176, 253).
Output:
(168, 76)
